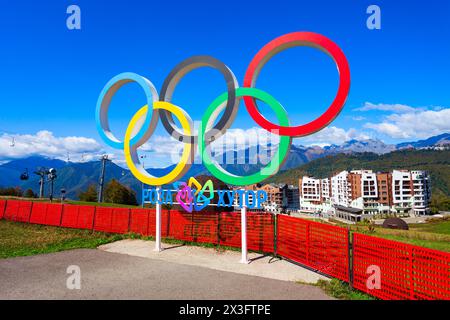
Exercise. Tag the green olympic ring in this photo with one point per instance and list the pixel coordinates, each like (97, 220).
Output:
(211, 115)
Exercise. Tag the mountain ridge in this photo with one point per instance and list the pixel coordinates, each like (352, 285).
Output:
(77, 176)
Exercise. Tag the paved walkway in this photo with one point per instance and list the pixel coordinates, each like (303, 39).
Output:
(106, 275)
(260, 265)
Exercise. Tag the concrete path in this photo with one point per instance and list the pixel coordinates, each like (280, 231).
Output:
(106, 275)
(260, 265)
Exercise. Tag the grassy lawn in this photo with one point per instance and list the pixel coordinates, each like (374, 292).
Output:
(434, 234)
(341, 290)
(440, 227)
(22, 239)
(18, 239)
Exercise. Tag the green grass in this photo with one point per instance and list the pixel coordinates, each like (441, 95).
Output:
(440, 227)
(340, 290)
(436, 245)
(434, 234)
(17, 239)
(21, 239)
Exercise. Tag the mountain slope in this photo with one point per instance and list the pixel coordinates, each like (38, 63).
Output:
(443, 139)
(436, 162)
(10, 172)
(313, 160)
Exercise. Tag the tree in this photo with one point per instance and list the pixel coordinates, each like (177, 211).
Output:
(439, 202)
(117, 193)
(90, 195)
(13, 192)
(29, 194)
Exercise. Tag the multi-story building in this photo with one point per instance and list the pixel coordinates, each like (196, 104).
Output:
(364, 186)
(325, 189)
(405, 192)
(421, 192)
(274, 202)
(401, 191)
(314, 194)
(280, 197)
(411, 192)
(311, 190)
(341, 192)
(384, 181)
(291, 198)
(252, 187)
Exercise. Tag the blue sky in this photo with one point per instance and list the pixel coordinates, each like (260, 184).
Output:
(52, 76)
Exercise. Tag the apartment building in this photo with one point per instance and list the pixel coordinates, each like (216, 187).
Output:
(280, 197)
(325, 189)
(341, 192)
(252, 187)
(274, 202)
(370, 191)
(400, 191)
(311, 189)
(384, 181)
(421, 192)
(291, 198)
(315, 194)
(411, 192)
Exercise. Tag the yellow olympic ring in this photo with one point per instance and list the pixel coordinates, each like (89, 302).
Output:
(130, 151)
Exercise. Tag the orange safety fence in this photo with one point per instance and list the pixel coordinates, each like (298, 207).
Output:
(407, 271)
(316, 245)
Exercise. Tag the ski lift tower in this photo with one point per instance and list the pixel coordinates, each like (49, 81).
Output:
(51, 175)
(104, 159)
(42, 173)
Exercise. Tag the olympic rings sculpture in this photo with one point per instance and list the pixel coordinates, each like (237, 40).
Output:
(144, 122)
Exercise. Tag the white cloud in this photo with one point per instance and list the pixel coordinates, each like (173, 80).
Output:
(333, 135)
(237, 138)
(46, 144)
(414, 125)
(397, 108)
(165, 150)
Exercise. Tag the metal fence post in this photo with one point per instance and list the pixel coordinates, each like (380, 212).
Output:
(93, 219)
(218, 228)
(193, 238)
(129, 220)
(62, 213)
(308, 242)
(411, 273)
(275, 234)
(350, 258)
(31, 211)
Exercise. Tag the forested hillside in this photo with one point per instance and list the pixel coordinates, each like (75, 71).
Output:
(436, 162)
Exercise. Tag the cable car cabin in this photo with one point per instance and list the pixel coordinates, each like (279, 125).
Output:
(24, 176)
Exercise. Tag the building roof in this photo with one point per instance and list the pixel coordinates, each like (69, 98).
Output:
(349, 209)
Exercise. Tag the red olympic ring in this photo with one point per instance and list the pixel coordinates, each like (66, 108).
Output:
(290, 40)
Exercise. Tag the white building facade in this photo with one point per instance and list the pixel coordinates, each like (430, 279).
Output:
(400, 192)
